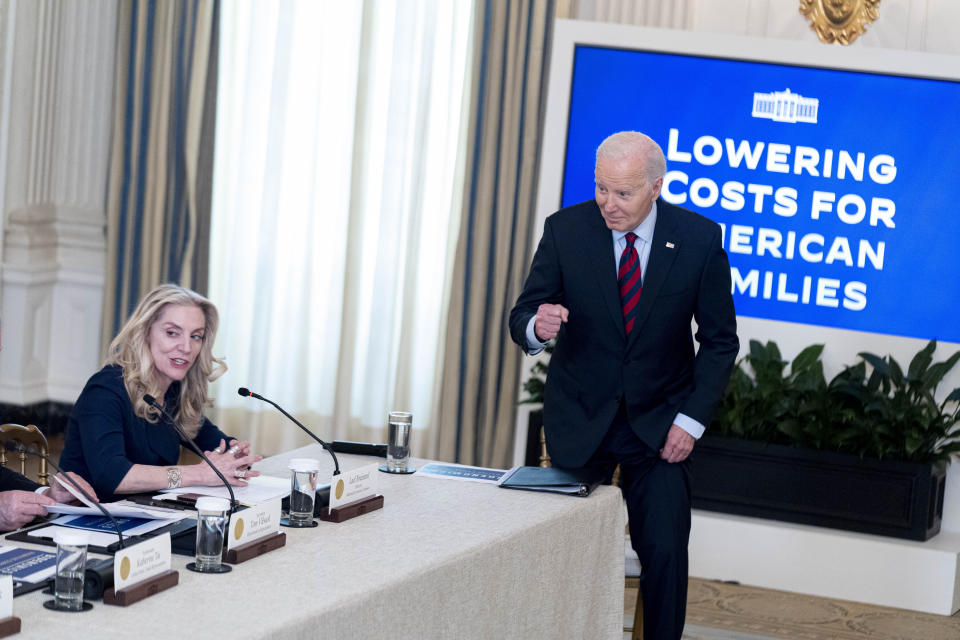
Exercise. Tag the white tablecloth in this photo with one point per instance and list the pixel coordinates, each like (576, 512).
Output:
(442, 559)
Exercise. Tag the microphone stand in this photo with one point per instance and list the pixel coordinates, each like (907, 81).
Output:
(19, 448)
(244, 392)
(150, 400)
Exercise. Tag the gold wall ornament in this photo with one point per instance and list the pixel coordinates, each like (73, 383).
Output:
(839, 21)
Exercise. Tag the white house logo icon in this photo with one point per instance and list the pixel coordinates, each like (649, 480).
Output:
(785, 106)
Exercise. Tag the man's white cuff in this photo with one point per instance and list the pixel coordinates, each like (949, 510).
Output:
(534, 346)
(689, 425)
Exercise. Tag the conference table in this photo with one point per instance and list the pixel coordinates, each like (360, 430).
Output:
(442, 559)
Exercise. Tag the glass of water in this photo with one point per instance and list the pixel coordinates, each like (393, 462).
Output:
(212, 519)
(304, 473)
(398, 442)
(71, 568)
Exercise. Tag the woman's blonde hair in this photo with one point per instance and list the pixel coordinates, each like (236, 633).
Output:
(131, 350)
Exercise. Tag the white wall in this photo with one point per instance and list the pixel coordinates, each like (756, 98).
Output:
(56, 65)
(916, 25)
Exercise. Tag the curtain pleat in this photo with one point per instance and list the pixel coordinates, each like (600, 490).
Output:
(160, 180)
(673, 14)
(482, 366)
(337, 203)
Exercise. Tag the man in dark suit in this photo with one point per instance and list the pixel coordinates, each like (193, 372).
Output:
(22, 499)
(617, 281)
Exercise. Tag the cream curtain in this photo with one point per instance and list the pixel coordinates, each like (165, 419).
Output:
(481, 364)
(335, 205)
(673, 14)
(158, 191)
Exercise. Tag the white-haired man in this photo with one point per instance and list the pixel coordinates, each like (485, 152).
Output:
(617, 280)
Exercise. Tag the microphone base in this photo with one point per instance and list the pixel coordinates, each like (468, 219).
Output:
(99, 578)
(359, 448)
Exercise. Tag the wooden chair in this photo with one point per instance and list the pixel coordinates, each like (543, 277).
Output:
(630, 581)
(28, 436)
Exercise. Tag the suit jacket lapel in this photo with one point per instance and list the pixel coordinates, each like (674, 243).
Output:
(599, 248)
(665, 245)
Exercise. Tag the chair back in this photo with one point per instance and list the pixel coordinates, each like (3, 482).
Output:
(28, 436)
(544, 456)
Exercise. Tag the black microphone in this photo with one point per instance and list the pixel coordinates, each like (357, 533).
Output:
(150, 400)
(243, 391)
(19, 448)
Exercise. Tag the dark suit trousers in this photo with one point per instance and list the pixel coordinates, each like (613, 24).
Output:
(658, 506)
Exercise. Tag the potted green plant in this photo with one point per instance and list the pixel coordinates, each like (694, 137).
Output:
(866, 451)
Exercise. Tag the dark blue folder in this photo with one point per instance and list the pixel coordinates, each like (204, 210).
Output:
(574, 482)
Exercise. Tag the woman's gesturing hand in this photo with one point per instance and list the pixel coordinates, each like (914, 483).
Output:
(233, 464)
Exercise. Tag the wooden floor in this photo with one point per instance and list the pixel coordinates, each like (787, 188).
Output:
(717, 610)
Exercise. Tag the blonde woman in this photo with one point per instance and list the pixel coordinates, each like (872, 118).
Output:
(116, 440)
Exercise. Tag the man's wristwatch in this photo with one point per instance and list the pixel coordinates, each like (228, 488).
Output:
(173, 477)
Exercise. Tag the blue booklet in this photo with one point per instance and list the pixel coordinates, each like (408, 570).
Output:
(27, 565)
(100, 523)
(461, 472)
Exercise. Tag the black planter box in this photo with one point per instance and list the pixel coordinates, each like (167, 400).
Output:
(742, 477)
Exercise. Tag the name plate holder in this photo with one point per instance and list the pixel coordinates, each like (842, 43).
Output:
(255, 548)
(353, 493)
(351, 509)
(9, 626)
(253, 532)
(141, 571)
(143, 589)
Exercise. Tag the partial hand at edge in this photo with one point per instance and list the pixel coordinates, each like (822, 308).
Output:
(678, 446)
(61, 494)
(17, 508)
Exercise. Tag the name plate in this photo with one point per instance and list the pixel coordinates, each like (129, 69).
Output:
(253, 523)
(354, 485)
(141, 561)
(6, 596)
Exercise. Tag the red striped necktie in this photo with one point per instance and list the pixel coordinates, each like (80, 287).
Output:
(628, 277)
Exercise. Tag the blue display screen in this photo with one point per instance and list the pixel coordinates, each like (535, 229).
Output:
(838, 191)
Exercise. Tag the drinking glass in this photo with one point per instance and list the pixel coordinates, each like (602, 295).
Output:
(71, 570)
(212, 519)
(398, 442)
(304, 473)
